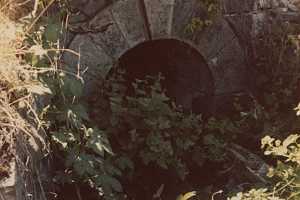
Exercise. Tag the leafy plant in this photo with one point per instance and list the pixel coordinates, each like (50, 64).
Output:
(210, 9)
(186, 196)
(286, 174)
(138, 122)
(89, 157)
(147, 124)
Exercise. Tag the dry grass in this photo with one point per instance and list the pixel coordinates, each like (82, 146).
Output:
(9, 79)
(9, 64)
(16, 101)
(15, 9)
(21, 141)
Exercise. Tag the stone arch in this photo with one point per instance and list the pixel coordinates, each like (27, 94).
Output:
(127, 23)
(187, 77)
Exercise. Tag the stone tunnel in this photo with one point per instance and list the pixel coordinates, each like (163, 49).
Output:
(104, 32)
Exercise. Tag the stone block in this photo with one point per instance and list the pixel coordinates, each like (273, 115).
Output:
(108, 34)
(229, 69)
(93, 60)
(160, 16)
(184, 12)
(29, 173)
(214, 39)
(237, 6)
(128, 17)
(89, 7)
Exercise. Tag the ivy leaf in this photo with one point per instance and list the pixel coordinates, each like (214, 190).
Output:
(124, 162)
(76, 87)
(80, 111)
(63, 138)
(99, 143)
(111, 169)
(106, 180)
(38, 50)
(72, 86)
(52, 32)
(164, 123)
(104, 70)
(84, 164)
(39, 89)
(186, 196)
(290, 140)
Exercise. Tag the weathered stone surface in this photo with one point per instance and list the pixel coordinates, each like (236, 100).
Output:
(242, 27)
(247, 6)
(92, 60)
(214, 39)
(188, 80)
(265, 4)
(257, 168)
(109, 36)
(293, 5)
(237, 6)
(292, 17)
(160, 16)
(130, 21)
(184, 12)
(89, 7)
(29, 177)
(228, 45)
(229, 69)
(91, 55)
(7, 185)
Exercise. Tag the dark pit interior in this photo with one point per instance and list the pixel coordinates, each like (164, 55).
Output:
(188, 80)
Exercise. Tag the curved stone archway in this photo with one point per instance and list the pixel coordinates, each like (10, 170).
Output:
(187, 78)
(124, 24)
(110, 28)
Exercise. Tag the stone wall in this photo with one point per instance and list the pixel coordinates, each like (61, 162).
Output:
(29, 175)
(104, 30)
(229, 46)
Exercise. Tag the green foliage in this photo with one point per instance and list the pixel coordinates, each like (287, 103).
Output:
(198, 23)
(89, 157)
(84, 148)
(144, 125)
(139, 122)
(186, 196)
(147, 124)
(278, 72)
(286, 174)
(256, 194)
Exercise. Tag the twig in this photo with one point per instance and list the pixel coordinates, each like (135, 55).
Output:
(23, 3)
(39, 16)
(20, 99)
(35, 8)
(214, 194)
(41, 185)
(284, 186)
(5, 5)
(293, 195)
(19, 52)
(78, 192)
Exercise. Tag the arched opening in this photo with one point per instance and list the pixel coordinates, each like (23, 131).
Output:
(188, 80)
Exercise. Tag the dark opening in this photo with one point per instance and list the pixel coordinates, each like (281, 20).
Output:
(188, 80)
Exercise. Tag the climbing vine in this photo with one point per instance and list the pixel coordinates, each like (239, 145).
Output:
(209, 9)
(135, 125)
